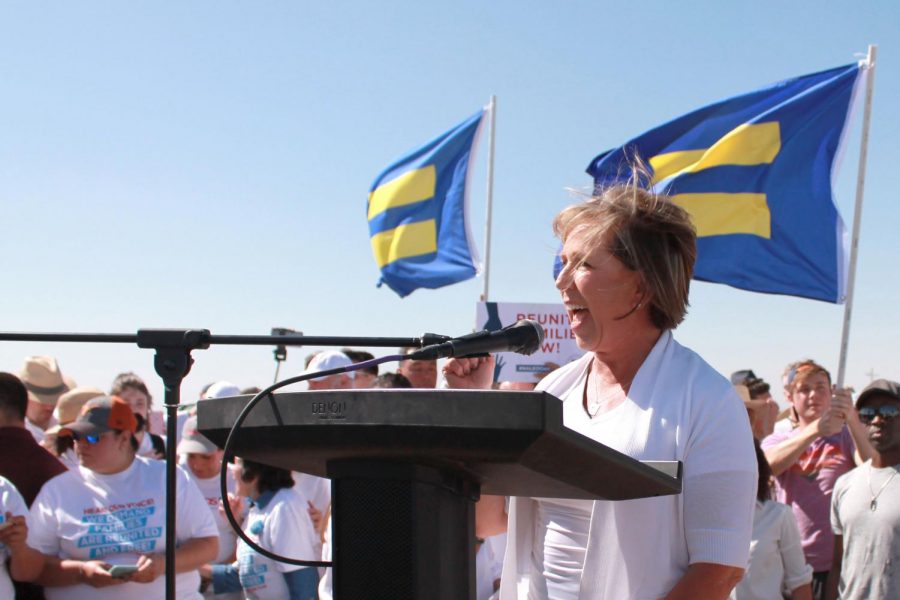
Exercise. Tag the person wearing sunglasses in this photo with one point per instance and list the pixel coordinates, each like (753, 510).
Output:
(110, 512)
(865, 506)
(827, 441)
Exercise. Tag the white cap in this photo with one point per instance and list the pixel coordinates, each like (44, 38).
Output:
(192, 441)
(327, 360)
(222, 389)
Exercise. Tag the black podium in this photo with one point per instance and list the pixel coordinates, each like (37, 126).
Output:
(408, 465)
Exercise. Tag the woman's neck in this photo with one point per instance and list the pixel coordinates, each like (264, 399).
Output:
(116, 468)
(621, 366)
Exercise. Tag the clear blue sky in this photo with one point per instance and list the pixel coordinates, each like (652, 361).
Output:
(205, 164)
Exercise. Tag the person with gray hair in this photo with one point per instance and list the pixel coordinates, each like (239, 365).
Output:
(626, 264)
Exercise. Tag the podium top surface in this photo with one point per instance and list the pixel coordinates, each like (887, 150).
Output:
(512, 443)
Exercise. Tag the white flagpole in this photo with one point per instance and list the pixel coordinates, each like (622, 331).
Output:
(857, 212)
(492, 107)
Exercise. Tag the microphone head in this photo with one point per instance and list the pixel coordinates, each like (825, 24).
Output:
(529, 336)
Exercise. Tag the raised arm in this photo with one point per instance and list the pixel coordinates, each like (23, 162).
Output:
(469, 373)
(842, 400)
(783, 455)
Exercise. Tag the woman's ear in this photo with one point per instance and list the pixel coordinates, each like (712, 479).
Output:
(642, 296)
(646, 299)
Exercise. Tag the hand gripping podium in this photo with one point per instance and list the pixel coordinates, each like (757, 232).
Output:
(408, 465)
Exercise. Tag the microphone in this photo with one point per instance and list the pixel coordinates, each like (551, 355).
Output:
(523, 337)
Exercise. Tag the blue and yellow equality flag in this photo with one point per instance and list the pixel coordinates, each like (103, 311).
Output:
(418, 214)
(755, 173)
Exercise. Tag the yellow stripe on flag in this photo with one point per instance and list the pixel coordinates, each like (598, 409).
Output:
(745, 145)
(667, 164)
(413, 239)
(409, 188)
(723, 214)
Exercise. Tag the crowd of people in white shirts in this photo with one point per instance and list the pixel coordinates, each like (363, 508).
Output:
(93, 522)
(82, 489)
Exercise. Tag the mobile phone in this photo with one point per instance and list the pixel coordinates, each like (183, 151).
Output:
(122, 570)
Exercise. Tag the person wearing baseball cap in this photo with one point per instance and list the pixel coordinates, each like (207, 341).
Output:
(102, 419)
(111, 512)
(204, 460)
(67, 410)
(325, 361)
(761, 407)
(865, 505)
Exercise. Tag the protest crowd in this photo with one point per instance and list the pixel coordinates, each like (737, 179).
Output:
(83, 492)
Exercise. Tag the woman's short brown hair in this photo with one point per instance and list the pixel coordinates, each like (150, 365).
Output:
(650, 235)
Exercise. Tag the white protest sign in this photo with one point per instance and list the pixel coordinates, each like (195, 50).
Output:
(557, 349)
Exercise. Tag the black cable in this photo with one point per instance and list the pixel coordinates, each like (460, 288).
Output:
(223, 478)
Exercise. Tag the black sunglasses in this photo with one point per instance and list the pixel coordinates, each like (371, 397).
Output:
(887, 412)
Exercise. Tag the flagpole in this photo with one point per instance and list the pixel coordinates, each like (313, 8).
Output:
(492, 107)
(857, 212)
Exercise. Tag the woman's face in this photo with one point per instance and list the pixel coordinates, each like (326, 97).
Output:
(598, 291)
(107, 455)
(244, 488)
(138, 401)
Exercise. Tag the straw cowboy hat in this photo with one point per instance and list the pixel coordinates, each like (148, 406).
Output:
(69, 406)
(43, 380)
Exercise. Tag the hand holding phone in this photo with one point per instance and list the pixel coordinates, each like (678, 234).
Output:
(119, 571)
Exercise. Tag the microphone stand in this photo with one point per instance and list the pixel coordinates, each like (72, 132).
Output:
(172, 363)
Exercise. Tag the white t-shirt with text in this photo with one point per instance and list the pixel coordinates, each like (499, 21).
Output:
(83, 515)
(212, 494)
(281, 526)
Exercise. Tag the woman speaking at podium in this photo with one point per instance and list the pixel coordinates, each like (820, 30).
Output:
(627, 259)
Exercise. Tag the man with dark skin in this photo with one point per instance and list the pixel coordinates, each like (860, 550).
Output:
(865, 509)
